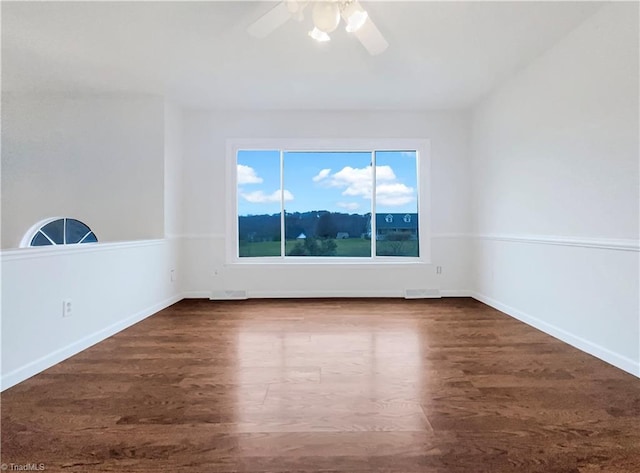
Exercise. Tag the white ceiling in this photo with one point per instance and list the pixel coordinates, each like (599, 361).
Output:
(441, 54)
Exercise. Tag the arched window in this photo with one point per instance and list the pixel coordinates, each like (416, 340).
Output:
(59, 231)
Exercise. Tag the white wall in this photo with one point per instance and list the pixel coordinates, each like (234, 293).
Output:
(111, 286)
(203, 239)
(102, 160)
(96, 158)
(555, 197)
(173, 186)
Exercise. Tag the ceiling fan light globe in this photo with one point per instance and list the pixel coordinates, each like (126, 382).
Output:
(356, 20)
(326, 16)
(319, 35)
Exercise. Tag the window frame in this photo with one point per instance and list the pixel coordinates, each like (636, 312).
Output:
(422, 148)
(37, 227)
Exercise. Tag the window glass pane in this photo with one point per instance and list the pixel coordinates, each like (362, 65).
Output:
(396, 203)
(328, 203)
(55, 231)
(91, 238)
(76, 230)
(258, 181)
(40, 240)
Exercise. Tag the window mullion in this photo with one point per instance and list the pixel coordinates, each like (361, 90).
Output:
(47, 237)
(374, 230)
(282, 210)
(85, 236)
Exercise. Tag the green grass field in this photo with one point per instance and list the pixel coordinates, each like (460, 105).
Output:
(352, 247)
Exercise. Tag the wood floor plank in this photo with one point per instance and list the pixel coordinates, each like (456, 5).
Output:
(396, 386)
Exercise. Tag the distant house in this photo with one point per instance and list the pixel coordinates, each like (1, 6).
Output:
(342, 236)
(302, 236)
(395, 223)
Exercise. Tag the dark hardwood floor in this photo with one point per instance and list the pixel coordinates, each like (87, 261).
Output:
(438, 386)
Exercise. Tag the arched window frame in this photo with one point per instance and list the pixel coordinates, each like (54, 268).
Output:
(37, 229)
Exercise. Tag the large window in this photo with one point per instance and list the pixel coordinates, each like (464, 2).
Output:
(342, 203)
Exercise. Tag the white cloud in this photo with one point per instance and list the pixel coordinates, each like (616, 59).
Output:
(349, 205)
(394, 194)
(385, 173)
(247, 175)
(259, 197)
(322, 175)
(357, 182)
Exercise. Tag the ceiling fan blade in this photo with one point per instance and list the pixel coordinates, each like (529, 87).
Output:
(270, 21)
(371, 38)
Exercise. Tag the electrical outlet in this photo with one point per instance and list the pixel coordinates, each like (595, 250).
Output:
(67, 308)
(438, 269)
(172, 275)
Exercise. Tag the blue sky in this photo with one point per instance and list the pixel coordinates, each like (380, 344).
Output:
(333, 181)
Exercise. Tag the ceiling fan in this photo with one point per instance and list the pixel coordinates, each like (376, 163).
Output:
(326, 16)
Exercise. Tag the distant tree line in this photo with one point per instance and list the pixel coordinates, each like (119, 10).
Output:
(314, 224)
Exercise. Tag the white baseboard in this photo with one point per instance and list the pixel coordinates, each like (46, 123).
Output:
(348, 294)
(604, 354)
(455, 293)
(321, 294)
(196, 295)
(221, 295)
(30, 369)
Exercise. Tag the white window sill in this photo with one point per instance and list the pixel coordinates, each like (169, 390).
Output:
(327, 262)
